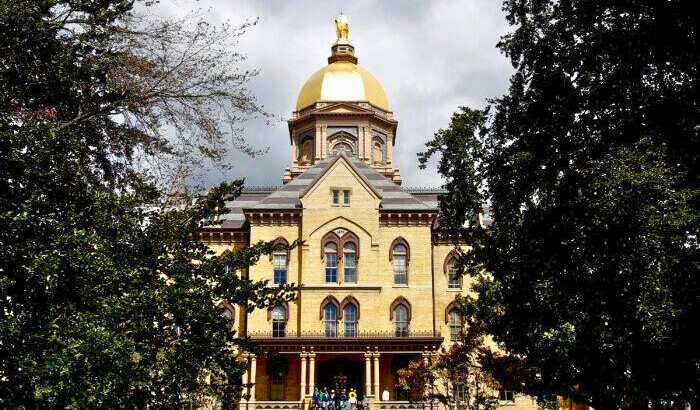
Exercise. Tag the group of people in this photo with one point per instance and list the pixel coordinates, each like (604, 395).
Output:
(322, 399)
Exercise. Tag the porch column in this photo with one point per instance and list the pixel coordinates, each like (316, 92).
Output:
(253, 373)
(368, 373)
(312, 371)
(377, 393)
(244, 380)
(303, 374)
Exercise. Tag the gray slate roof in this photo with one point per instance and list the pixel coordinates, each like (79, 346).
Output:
(393, 197)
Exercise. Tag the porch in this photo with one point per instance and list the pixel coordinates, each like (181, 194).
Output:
(286, 376)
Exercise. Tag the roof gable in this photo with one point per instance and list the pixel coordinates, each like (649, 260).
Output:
(331, 165)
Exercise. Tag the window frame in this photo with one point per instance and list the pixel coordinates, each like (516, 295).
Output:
(347, 256)
(279, 324)
(401, 325)
(330, 325)
(353, 322)
(330, 263)
(277, 271)
(456, 284)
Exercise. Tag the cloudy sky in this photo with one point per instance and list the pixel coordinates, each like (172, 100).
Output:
(430, 56)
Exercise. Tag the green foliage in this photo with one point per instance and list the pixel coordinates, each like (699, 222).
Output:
(590, 166)
(106, 297)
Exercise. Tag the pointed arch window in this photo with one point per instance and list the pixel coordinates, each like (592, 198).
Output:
(350, 262)
(331, 256)
(350, 320)
(400, 314)
(399, 257)
(454, 278)
(330, 320)
(279, 321)
(401, 321)
(455, 323)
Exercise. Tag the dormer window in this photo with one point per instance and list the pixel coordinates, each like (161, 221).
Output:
(340, 197)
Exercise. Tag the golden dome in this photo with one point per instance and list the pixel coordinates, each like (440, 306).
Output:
(342, 81)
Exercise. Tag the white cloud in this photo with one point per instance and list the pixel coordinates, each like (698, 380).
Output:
(431, 58)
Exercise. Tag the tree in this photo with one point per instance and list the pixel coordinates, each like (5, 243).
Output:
(590, 167)
(106, 296)
(458, 376)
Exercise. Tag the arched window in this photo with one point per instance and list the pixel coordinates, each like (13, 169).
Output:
(280, 267)
(399, 256)
(401, 321)
(350, 262)
(350, 320)
(331, 255)
(279, 321)
(228, 312)
(454, 321)
(454, 278)
(377, 153)
(330, 320)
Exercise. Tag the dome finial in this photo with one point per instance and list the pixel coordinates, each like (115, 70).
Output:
(342, 49)
(342, 29)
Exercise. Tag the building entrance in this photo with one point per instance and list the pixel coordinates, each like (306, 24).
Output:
(342, 374)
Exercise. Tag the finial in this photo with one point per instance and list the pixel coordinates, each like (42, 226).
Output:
(342, 28)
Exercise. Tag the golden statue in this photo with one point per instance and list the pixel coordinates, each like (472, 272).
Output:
(342, 27)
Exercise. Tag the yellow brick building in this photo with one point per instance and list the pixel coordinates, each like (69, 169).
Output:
(377, 284)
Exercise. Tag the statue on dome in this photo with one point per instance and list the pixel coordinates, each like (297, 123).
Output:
(342, 27)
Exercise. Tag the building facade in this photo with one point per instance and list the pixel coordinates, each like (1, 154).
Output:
(378, 284)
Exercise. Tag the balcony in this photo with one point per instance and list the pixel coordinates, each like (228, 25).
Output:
(405, 334)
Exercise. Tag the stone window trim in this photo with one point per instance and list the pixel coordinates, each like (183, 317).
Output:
(453, 255)
(452, 306)
(332, 300)
(400, 301)
(400, 241)
(284, 304)
(280, 241)
(331, 237)
(224, 305)
(350, 300)
(348, 237)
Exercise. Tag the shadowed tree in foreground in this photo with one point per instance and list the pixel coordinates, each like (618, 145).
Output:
(590, 166)
(106, 298)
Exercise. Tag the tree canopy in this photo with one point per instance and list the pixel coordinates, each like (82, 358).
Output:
(106, 297)
(589, 165)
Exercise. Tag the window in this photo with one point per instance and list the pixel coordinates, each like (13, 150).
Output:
(279, 321)
(399, 262)
(349, 264)
(280, 267)
(460, 394)
(401, 321)
(455, 323)
(346, 198)
(336, 197)
(350, 320)
(330, 320)
(506, 395)
(227, 312)
(454, 279)
(331, 254)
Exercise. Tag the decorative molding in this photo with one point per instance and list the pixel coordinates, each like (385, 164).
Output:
(450, 256)
(452, 306)
(284, 304)
(400, 301)
(332, 300)
(280, 241)
(350, 300)
(400, 241)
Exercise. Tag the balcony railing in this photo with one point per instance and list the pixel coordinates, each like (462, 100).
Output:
(357, 335)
